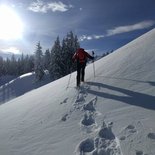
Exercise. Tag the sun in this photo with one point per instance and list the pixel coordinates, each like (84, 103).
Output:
(11, 26)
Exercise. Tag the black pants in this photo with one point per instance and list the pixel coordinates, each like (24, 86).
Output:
(80, 72)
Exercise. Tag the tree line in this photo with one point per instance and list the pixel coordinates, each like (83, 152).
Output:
(57, 60)
(15, 66)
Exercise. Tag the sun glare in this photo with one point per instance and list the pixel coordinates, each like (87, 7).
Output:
(11, 26)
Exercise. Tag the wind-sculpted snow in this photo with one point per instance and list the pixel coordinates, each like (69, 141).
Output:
(139, 139)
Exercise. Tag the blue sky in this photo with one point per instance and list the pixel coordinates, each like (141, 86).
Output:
(101, 25)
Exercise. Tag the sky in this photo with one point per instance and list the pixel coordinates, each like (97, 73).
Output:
(101, 25)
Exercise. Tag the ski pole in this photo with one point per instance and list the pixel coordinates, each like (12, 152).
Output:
(71, 69)
(69, 80)
(93, 63)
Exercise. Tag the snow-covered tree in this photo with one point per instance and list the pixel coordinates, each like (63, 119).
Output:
(47, 59)
(31, 63)
(69, 45)
(21, 65)
(28, 64)
(61, 56)
(13, 66)
(1, 66)
(55, 68)
(38, 63)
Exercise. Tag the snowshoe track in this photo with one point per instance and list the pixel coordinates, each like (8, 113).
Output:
(100, 140)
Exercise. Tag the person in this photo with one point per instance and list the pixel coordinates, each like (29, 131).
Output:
(80, 57)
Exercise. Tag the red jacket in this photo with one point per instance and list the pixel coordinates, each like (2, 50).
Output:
(81, 56)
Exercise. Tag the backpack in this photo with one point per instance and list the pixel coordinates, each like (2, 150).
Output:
(81, 56)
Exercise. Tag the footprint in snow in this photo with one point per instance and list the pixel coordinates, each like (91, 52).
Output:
(83, 91)
(131, 128)
(88, 119)
(64, 117)
(105, 143)
(90, 106)
(122, 138)
(139, 152)
(134, 134)
(86, 146)
(64, 101)
(78, 104)
(151, 136)
(106, 132)
(80, 98)
(128, 131)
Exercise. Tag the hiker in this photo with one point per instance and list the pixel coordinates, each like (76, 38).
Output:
(80, 57)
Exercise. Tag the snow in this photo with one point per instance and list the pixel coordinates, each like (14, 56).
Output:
(6, 79)
(14, 87)
(111, 114)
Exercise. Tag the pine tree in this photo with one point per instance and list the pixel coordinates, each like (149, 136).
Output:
(26, 64)
(38, 64)
(21, 65)
(7, 67)
(31, 63)
(65, 68)
(47, 59)
(13, 66)
(69, 45)
(55, 68)
(1, 66)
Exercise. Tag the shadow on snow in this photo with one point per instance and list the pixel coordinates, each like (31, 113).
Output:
(133, 98)
(20, 86)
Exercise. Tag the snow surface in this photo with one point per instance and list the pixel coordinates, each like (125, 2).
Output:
(13, 87)
(5, 79)
(112, 113)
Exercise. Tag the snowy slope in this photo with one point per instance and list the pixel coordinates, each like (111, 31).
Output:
(112, 113)
(13, 87)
